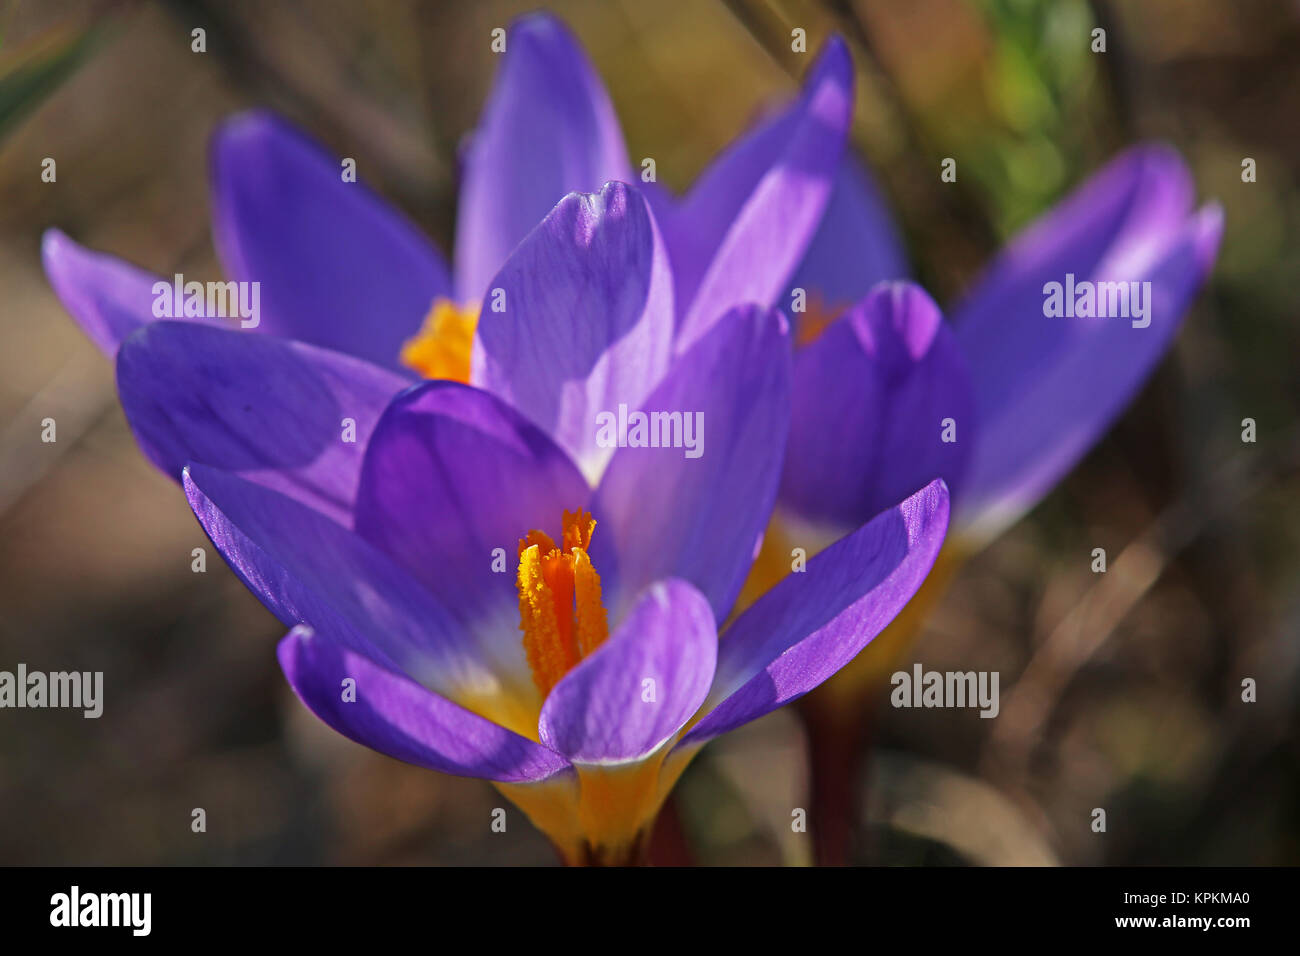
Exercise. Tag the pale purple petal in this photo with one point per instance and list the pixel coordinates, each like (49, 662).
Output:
(588, 319)
(856, 246)
(308, 570)
(337, 266)
(1116, 224)
(697, 509)
(816, 621)
(109, 298)
(1027, 444)
(396, 716)
(286, 415)
(663, 204)
(875, 397)
(548, 130)
(747, 222)
(639, 687)
(453, 479)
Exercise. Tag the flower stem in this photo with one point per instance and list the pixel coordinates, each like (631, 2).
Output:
(669, 844)
(837, 741)
(636, 853)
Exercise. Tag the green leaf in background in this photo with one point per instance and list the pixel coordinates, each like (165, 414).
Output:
(29, 75)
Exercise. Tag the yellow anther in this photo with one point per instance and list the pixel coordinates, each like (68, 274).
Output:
(560, 609)
(814, 320)
(441, 348)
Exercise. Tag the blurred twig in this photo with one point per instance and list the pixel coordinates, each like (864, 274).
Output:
(1089, 625)
(408, 154)
(37, 70)
(76, 398)
(1118, 68)
(956, 204)
(912, 168)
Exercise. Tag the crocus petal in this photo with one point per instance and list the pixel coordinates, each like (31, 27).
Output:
(453, 478)
(663, 204)
(855, 247)
(699, 513)
(587, 322)
(813, 623)
(337, 266)
(283, 414)
(747, 222)
(1026, 445)
(870, 400)
(396, 716)
(639, 687)
(109, 298)
(309, 570)
(548, 129)
(1114, 225)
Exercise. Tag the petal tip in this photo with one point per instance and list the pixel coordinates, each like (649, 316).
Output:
(1209, 222)
(834, 61)
(246, 125)
(59, 253)
(191, 474)
(1157, 152)
(62, 257)
(53, 242)
(926, 508)
(540, 26)
(249, 137)
(291, 645)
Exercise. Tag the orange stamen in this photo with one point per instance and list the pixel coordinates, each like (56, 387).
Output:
(816, 319)
(560, 609)
(441, 349)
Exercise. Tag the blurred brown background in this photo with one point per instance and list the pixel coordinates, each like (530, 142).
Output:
(1119, 691)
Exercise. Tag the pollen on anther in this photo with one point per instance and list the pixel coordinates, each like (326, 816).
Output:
(560, 609)
(442, 347)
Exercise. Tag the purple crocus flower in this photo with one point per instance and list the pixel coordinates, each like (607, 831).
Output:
(480, 586)
(375, 538)
(1007, 399)
(337, 268)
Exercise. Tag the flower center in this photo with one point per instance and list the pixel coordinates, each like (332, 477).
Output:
(560, 611)
(815, 319)
(442, 346)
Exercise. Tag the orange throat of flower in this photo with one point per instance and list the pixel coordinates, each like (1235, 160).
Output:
(560, 609)
(597, 813)
(441, 349)
(814, 320)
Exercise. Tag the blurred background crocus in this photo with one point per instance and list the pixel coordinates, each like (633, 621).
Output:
(1028, 392)
(1001, 404)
